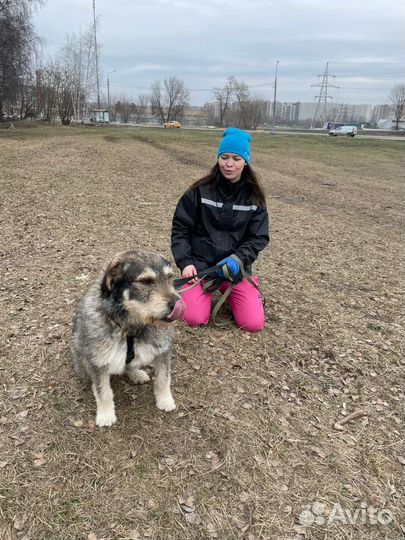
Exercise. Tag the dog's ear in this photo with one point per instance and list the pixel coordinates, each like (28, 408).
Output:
(114, 273)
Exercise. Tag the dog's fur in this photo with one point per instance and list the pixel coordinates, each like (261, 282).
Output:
(133, 296)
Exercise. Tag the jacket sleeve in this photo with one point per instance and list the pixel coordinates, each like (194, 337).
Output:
(184, 221)
(256, 237)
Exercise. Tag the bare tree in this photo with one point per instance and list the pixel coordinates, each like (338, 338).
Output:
(210, 112)
(56, 92)
(79, 64)
(65, 95)
(141, 106)
(65, 83)
(124, 108)
(256, 111)
(242, 97)
(46, 92)
(169, 99)
(18, 44)
(397, 98)
(223, 98)
(28, 98)
(248, 111)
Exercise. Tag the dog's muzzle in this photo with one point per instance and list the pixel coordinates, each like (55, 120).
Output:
(177, 312)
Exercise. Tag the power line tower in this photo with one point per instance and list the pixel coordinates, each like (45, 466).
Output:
(321, 110)
(341, 112)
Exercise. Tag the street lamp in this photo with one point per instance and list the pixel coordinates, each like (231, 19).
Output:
(108, 88)
(95, 47)
(274, 100)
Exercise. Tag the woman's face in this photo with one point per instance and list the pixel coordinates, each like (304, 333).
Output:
(231, 166)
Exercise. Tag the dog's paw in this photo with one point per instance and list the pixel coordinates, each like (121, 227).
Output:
(165, 403)
(139, 376)
(106, 418)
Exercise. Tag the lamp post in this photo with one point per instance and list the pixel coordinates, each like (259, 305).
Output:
(274, 100)
(95, 47)
(108, 90)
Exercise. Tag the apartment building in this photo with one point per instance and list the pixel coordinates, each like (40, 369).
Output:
(342, 112)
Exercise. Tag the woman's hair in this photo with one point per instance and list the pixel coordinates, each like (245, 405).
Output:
(248, 175)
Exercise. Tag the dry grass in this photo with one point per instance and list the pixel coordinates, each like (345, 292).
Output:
(254, 439)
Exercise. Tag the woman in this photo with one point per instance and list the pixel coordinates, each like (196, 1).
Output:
(222, 215)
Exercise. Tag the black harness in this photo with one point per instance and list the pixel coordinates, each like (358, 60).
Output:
(130, 349)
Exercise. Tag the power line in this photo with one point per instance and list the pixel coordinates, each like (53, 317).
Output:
(270, 84)
(371, 74)
(263, 85)
(365, 89)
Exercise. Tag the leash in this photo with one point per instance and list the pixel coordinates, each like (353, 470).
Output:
(213, 281)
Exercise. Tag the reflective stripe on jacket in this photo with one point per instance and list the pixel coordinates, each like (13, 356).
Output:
(212, 222)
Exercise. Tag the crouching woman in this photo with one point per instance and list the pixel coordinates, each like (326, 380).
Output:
(223, 214)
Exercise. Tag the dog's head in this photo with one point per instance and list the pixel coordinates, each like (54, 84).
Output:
(142, 284)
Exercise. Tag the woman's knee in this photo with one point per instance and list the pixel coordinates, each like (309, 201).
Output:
(195, 319)
(198, 306)
(252, 324)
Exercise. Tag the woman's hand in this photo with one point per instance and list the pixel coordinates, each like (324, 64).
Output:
(189, 271)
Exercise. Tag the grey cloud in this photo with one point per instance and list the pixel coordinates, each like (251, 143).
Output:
(206, 41)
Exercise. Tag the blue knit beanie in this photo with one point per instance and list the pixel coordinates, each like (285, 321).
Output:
(235, 141)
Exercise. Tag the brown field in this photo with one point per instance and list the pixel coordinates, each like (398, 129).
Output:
(254, 440)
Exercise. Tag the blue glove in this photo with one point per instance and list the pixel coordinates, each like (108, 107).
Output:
(232, 265)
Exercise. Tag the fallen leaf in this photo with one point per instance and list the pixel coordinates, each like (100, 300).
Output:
(187, 509)
(244, 496)
(318, 452)
(152, 504)
(187, 504)
(353, 416)
(19, 522)
(212, 530)
(192, 518)
(213, 456)
(242, 525)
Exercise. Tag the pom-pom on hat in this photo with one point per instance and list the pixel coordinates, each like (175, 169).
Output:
(235, 141)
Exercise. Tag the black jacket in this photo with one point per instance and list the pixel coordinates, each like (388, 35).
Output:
(212, 222)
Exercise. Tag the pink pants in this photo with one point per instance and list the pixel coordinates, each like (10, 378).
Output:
(244, 301)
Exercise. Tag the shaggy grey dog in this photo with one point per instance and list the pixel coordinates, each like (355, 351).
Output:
(123, 323)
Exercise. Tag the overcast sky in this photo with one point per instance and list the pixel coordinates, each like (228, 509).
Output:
(203, 42)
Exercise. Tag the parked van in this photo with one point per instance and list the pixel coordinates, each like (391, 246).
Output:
(350, 131)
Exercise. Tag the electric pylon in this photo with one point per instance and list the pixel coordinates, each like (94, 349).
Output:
(321, 110)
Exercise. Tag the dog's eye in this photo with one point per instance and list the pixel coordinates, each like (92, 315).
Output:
(145, 281)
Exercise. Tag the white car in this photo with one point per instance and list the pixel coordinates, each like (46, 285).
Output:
(350, 131)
